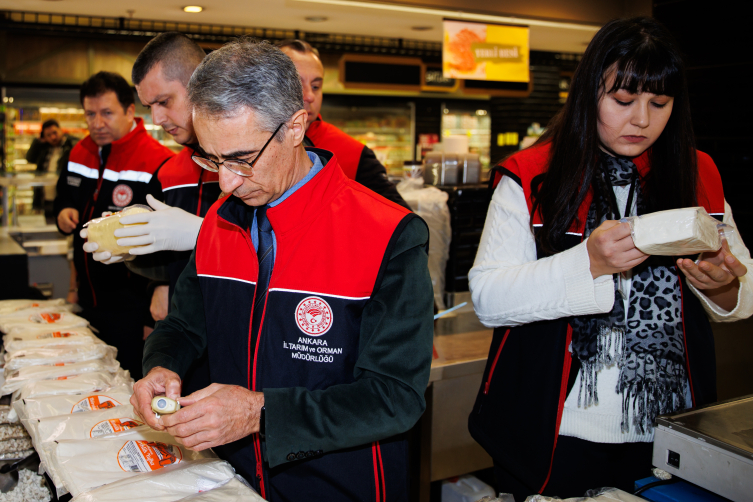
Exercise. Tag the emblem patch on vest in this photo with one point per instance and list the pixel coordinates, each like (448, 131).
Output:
(122, 195)
(313, 316)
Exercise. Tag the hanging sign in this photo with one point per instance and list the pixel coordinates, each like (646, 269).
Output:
(478, 51)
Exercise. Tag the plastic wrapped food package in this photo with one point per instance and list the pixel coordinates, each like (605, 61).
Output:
(6, 414)
(58, 354)
(101, 230)
(53, 317)
(16, 455)
(601, 495)
(84, 464)
(164, 485)
(44, 337)
(16, 379)
(10, 306)
(87, 425)
(49, 406)
(86, 382)
(45, 432)
(235, 489)
(676, 232)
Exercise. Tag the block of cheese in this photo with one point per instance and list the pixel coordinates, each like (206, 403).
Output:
(101, 230)
(676, 232)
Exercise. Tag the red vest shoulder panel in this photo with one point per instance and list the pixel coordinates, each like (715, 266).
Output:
(181, 170)
(527, 164)
(328, 137)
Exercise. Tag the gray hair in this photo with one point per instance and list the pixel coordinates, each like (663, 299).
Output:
(251, 74)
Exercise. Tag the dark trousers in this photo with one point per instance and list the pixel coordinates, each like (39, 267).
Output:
(581, 465)
(124, 329)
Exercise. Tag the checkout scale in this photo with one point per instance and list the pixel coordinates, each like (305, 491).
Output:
(710, 446)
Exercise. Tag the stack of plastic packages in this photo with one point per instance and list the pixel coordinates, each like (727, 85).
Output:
(71, 396)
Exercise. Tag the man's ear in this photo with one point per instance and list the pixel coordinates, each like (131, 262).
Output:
(131, 111)
(298, 126)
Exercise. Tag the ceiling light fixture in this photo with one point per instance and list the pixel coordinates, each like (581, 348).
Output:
(460, 15)
(193, 9)
(421, 28)
(316, 19)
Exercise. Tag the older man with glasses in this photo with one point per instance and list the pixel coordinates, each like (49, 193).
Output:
(309, 293)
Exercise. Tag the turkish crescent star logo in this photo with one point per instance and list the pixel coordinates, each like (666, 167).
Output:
(122, 195)
(313, 316)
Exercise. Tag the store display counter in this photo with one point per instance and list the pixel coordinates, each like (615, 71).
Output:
(461, 347)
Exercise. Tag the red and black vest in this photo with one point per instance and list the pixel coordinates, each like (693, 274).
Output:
(184, 184)
(334, 238)
(530, 370)
(330, 138)
(92, 189)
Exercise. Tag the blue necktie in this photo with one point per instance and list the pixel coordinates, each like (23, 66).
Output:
(266, 255)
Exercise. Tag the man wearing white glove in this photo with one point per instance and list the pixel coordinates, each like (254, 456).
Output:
(182, 192)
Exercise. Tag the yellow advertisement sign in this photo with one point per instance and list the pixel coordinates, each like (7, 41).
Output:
(478, 51)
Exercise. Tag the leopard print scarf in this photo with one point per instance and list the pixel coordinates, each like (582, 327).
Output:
(647, 345)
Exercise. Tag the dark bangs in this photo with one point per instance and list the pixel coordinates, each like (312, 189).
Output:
(647, 67)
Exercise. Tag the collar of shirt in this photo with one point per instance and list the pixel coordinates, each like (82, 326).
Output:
(318, 166)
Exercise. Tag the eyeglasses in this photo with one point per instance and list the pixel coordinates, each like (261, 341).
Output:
(239, 167)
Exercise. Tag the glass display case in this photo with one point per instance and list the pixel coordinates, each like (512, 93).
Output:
(24, 111)
(477, 125)
(388, 131)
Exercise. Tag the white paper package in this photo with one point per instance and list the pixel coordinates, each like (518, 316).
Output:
(86, 425)
(50, 317)
(57, 354)
(164, 485)
(19, 378)
(235, 490)
(83, 464)
(10, 306)
(676, 232)
(47, 336)
(49, 406)
(86, 382)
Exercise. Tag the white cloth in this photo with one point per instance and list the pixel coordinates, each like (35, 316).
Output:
(509, 287)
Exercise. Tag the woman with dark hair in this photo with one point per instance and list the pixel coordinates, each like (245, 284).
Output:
(593, 338)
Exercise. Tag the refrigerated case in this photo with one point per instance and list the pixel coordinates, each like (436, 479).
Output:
(474, 123)
(388, 131)
(24, 111)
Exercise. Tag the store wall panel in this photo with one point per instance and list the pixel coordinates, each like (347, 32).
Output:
(63, 60)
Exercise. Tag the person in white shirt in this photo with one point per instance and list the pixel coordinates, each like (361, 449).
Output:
(593, 337)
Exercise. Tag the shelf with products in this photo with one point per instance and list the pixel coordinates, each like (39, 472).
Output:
(476, 124)
(388, 131)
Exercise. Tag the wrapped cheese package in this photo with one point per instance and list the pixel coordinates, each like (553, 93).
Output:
(10, 306)
(91, 381)
(17, 379)
(50, 406)
(46, 337)
(101, 230)
(54, 318)
(83, 464)
(165, 485)
(236, 489)
(677, 232)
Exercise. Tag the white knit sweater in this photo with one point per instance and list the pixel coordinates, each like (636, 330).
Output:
(510, 287)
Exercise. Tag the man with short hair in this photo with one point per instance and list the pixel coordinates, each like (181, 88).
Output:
(310, 294)
(107, 171)
(357, 160)
(50, 153)
(161, 73)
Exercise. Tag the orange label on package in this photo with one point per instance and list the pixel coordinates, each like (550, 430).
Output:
(56, 334)
(46, 317)
(112, 426)
(93, 403)
(146, 456)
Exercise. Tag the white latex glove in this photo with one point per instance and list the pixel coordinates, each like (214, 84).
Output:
(105, 256)
(165, 229)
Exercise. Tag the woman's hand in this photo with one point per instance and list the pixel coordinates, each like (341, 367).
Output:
(716, 274)
(611, 249)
